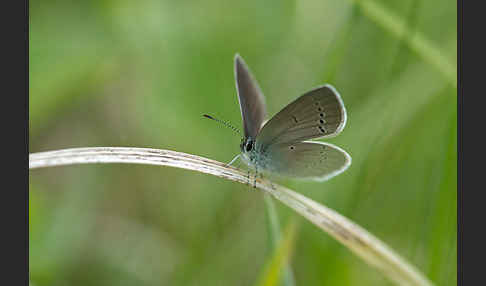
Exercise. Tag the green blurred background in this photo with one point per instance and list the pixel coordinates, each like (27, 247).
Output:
(141, 73)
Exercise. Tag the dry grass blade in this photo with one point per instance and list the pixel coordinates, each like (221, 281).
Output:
(357, 239)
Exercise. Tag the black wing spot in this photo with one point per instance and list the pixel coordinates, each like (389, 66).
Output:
(322, 114)
(322, 129)
(295, 118)
(319, 109)
(291, 147)
(321, 121)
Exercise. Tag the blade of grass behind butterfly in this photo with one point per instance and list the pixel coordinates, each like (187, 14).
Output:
(418, 42)
(274, 237)
(337, 49)
(276, 266)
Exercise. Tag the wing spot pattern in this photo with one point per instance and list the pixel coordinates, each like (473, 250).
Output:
(313, 115)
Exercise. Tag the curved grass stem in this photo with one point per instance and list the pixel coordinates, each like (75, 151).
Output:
(355, 238)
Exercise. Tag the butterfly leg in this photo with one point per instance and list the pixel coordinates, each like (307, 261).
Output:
(249, 184)
(232, 161)
(248, 177)
(238, 165)
(255, 178)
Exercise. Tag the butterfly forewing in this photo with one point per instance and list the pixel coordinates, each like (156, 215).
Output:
(250, 97)
(318, 113)
(307, 160)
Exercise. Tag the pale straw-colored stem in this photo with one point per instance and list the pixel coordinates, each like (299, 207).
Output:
(351, 235)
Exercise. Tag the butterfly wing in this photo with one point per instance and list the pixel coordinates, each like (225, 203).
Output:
(318, 113)
(250, 97)
(307, 160)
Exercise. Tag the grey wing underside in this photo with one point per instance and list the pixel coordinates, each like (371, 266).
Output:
(318, 113)
(250, 97)
(308, 160)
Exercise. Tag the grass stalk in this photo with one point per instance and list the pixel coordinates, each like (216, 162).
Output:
(359, 241)
(415, 40)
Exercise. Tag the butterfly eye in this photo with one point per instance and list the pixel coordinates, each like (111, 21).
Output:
(249, 146)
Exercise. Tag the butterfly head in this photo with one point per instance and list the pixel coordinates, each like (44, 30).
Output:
(247, 145)
(253, 154)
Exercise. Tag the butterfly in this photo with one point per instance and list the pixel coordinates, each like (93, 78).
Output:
(279, 146)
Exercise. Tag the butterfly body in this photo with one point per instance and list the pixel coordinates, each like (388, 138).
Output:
(279, 146)
(253, 154)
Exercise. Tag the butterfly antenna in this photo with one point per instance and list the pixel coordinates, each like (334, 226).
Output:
(224, 123)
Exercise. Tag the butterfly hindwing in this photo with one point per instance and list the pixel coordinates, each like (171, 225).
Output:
(307, 160)
(318, 113)
(250, 97)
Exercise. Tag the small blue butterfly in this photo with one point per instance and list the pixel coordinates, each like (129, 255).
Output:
(279, 145)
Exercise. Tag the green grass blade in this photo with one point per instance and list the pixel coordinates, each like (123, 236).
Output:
(275, 267)
(415, 40)
(274, 237)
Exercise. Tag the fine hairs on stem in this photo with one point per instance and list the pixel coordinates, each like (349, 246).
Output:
(362, 243)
